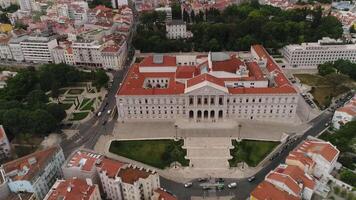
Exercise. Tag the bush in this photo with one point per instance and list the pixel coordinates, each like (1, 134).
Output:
(336, 190)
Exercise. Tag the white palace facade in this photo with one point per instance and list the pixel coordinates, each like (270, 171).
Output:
(207, 88)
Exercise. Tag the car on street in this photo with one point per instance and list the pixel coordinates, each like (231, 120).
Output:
(202, 180)
(109, 111)
(326, 124)
(232, 185)
(99, 114)
(252, 178)
(189, 184)
(104, 123)
(220, 180)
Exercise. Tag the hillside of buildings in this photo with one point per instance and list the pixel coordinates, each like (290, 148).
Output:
(236, 28)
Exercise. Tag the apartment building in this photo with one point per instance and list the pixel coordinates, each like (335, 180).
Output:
(162, 194)
(5, 148)
(5, 52)
(207, 88)
(266, 190)
(117, 180)
(113, 56)
(314, 156)
(36, 172)
(15, 48)
(87, 53)
(82, 164)
(177, 29)
(4, 189)
(310, 55)
(38, 49)
(345, 114)
(74, 189)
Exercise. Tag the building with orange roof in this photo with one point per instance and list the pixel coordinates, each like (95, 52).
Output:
(211, 87)
(314, 155)
(345, 114)
(162, 194)
(74, 188)
(5, 148)
(36, 172)
(266, 190)
(82, 164)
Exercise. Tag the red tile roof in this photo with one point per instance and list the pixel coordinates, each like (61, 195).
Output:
(163, 195)
(231, 65)
(325, 149)
(286, 180)
(71, 189)
(84, 160)
(167, 61)
(184, 72)
(41, 157)
(205, 77)
(2, 133)
(254, 70)
(111, 167)
(298, 175)
(267, 191)
(131, 175)
(301, 157)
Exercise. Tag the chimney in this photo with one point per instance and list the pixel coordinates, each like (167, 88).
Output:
(89, 181)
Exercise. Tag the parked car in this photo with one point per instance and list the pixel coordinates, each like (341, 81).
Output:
(189, 184)
(109, 111)
(99, 113)
(232, 185)
(202, 179)
(252, 178)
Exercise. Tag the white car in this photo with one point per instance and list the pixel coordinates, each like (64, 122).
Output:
(232, 185)
(109, 111)
(99, 113)
(189, 184)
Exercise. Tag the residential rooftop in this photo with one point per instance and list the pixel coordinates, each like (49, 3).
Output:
(71, 189)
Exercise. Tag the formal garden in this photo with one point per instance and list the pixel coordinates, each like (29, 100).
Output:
(251, 152)
(157, 153)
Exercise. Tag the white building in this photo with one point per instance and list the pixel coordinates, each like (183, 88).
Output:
(119, 3)
(310, 55)
(5, 52)
(16, 49)
(74, 189)
(4, 189)
(315, 157)
(176, 29)
(118, 180)
(345, 114)
(36, 172)
(28, 5)
(87, 53)
(5, 148)
(113, 57)
(38, 49)
(208, 88)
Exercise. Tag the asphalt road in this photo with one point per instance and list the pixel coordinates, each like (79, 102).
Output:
(244, 187)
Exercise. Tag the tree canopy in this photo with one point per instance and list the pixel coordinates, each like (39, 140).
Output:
(237, 27)
(345, 67)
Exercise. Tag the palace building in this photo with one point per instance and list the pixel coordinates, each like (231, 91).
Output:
(207, 88)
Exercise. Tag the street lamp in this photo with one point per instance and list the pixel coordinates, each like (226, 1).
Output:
(239, 131)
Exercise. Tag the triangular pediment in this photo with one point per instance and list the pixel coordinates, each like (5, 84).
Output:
(205, 88)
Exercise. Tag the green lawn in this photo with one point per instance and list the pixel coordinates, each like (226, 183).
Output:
(312, 79)
(79, 116)
(87, 105)
(157, 153)
(250, 151)
(75, 91)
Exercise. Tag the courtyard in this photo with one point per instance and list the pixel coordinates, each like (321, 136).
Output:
(157, 153)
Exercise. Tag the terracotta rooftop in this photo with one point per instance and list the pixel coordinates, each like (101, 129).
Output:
(166, 61)
(111, 167)
(184, 72)
(325, 149)
(301, 157)
(71, 189)
(267, 191)
(2, 133)
(297, 174)
(205, 77)
(84, 160)
(32, 163)
(131, 175)
(163, 195)
(286, 180)
(230, 65)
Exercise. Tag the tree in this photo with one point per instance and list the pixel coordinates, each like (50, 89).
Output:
(20, 85)
(36, 98)
(42, 122)
(176, 10)
(57, 111)
(186, 16)
(326, 68)
(213, 45)
(335, 80)
(101, 78)
(4, 19)
(16, 120)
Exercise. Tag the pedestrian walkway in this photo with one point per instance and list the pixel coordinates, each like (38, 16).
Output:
(208, 152)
